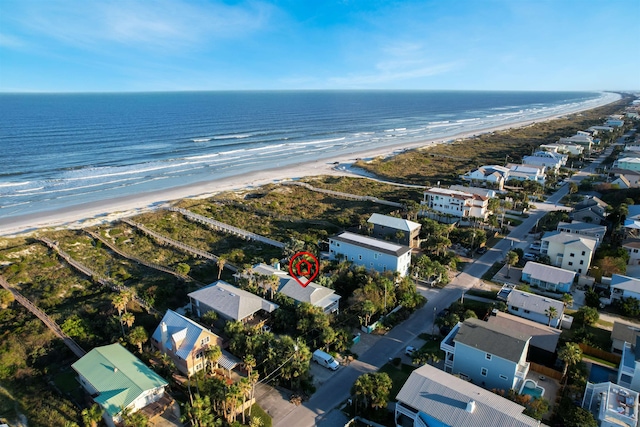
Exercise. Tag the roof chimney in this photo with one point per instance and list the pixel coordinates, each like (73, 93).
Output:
(471, 406)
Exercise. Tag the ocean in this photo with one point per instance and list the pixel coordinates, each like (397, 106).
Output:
(61, 150)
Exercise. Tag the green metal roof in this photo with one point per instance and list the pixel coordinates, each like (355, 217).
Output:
(117, 375)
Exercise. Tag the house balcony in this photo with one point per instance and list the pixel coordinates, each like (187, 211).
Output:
(521, 374)
(628, 362)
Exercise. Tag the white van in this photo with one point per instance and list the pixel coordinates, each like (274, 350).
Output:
(325, 359)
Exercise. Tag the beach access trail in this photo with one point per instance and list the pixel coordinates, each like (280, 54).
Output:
(322, 407)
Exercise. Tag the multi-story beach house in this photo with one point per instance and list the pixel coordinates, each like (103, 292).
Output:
(229, 302)
(548, 277)
(628, 163)
(598, 129)
(491, 175)
(552, 161)
(527, 172)
(626, 179)
(595, 231)
(535, 307)
(568, 251)
(480, 191)
(184, 341)
(395, 229)
(591, 209)
(612, 405)
(582, 139)
(624, 287)
(375, 254)
(632, 246)
(614, 123)
(564, 148)
(453, 203)
(489, 354)
(117, 381)
(623, 332)
(629, 369)
(431, 397)
(312, 293)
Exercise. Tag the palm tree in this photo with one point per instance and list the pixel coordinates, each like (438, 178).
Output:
(212, 354)
(273, 282)
(127, 295)
(128, 319)
(199, 412)
(512, 259)
(245, 387)
(232, 398)
(551, 313)
(570, 354)
(119, 303)
(221, 263)
(567, 299)
(138, 336)
(91, 416)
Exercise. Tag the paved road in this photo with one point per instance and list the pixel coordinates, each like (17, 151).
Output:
(317, 411)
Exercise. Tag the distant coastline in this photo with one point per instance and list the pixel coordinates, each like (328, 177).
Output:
(111, 209)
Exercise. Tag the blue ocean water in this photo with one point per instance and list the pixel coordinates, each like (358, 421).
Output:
(60, 150)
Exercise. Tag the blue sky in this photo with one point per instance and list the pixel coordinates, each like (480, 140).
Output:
(162, 45)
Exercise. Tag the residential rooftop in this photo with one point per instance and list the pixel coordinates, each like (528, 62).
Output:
(371, 243)
(494, 338)
(230, 301)
(548, 273)
(533, 302)
(393, 222)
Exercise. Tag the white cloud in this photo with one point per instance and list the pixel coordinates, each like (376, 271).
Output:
(11, 41)
(392, 72)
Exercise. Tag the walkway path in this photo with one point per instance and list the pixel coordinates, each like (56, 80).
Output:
(221, 226)
(166, 240)
(345, 195)
(69, 342)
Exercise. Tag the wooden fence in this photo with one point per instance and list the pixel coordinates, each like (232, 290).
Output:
(600, 354)
(546, 371)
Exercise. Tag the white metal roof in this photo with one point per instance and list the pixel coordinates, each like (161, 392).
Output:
(548, 273)
(533, 302)
(393, 222)
(233, 302)
(373, 243)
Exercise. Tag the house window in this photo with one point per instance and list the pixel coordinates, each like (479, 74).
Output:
(483, 372)
(582, 262)
(570, 262)
(375, 256)
(199, 355)
(579, 270)
(514, 308)
(360, 257)
(371, 264)
(199, 367)
(635, 251)
(572, 255)
(204, 340)
(527, 311)
(487, 356)
(583, 253)
(503, 377)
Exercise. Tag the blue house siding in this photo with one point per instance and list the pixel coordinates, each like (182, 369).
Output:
(369, 258)
(536, 317)
(556, 287)
(470, 362)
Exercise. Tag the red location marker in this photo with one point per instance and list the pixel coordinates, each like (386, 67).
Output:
(304, 267)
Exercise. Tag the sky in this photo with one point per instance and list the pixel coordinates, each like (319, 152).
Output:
(176, 45)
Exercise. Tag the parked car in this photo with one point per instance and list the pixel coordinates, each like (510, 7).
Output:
(325, 359)
(529, 256)
(482, 250)
(535, 246)
(409, 350)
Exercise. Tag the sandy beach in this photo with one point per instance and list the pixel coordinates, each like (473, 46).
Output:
(89, 214)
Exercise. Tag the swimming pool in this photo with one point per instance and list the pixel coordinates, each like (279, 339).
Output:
(531, 388)
(602, 374)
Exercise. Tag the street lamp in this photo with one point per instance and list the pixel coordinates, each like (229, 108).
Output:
(433, 327)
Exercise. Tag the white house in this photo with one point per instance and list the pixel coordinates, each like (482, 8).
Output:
(489, 354)
(615, 123)
(591, 209)
(587, 229)
(568, 251)
(314, 294)
(493, 174)
(527, 172)
(552, 161)
(611, 404)
(573, 149)
(118, 380)
(372, 253)
(483, 192)
(535, 307)
(548, 277)
(601, 129)
(632, 246)
(431, 397)
(581, 139)
(455, 203)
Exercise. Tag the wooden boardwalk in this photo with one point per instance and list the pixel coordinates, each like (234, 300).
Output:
(95, 276)
(220, 226)
(345, 195)
(69, 342)
(168, 241)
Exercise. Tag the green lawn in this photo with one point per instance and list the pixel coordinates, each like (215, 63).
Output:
(258, 412)
(483, 294)
(601, 337)
(398, 376)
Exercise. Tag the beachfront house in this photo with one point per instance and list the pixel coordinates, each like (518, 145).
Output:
(564, 148)
(431, 397)
(439, 202)
(399, 230)
(624, 287)
(230, 303)
(489, 354)
(552, 161)
(595, 231)
(581, 138)
(623, 332)
(184, 341)
(312, 293)
(628, 163)
(491, 175)
(117, 380)
(614, 123)
(535, 307)
(374, 254)
(535, 173)
(600, 129)
(591, 209)
(612, 405)
(568, 251)
(479, 191)
(548, 277)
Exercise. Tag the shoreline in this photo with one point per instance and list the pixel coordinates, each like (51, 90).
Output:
(109, 210)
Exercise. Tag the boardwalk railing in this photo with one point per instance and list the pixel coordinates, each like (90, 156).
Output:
(73, 346)
(95, 276)
(141, 261)
(217, 225)
(168, 241)
(345, 195)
